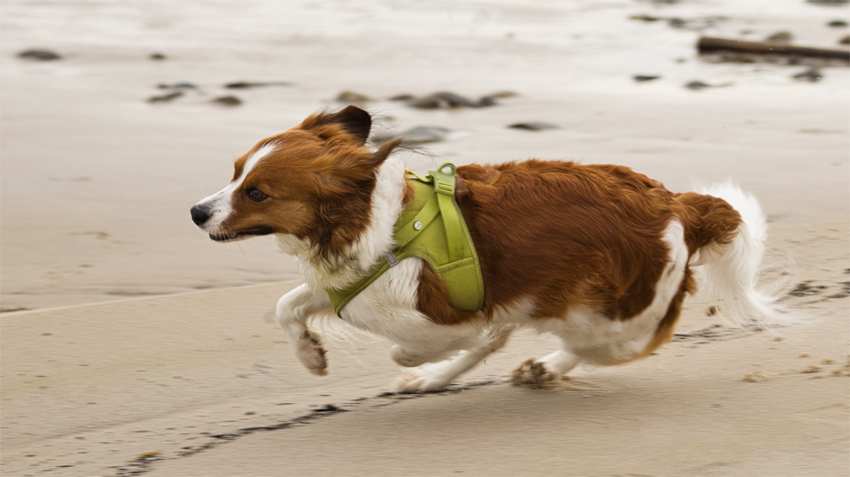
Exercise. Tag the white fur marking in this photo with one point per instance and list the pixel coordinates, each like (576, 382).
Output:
(219, 204)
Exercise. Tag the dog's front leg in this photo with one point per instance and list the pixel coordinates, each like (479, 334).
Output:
(293, 311)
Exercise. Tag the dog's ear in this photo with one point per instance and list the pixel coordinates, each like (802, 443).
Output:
(384, 151)
(354, 120)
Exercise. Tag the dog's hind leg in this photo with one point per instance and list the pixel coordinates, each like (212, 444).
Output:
(293, 311)
(436, 376)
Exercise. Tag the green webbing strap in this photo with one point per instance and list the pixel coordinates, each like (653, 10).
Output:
(450, 251)
(444, 184)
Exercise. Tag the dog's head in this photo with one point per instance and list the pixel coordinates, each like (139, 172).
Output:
(313, 181)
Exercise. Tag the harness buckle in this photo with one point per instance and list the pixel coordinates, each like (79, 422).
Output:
(444, 182)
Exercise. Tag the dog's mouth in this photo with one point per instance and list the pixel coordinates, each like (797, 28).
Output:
(244, 233)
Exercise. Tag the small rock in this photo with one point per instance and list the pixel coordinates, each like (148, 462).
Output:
(227, 101)
(250, 84)
(646, 18)
(352, 97)
(829, 2)
(402, 97)
(417, 135)
(39, 55)
(812, 75)
(811, 369)
(804, 355)
(677, 22)
(711, 311)
(837, 24)
(176, 86)
(845, 40)
(443, 99)
(165, 97)
(780, 37)
(157, 56)
(644, 78)
(533, 126)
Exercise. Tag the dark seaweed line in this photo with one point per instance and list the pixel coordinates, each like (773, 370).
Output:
(144, 463)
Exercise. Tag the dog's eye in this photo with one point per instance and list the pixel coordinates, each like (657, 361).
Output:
(256, 194)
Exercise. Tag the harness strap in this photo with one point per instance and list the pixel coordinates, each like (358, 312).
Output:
(447, 247)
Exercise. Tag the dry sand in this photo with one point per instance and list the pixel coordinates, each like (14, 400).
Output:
(143, 346)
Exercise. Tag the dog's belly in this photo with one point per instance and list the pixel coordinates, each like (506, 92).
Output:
(599, 339)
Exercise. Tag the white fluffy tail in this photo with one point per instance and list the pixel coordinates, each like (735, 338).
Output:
(730, 272)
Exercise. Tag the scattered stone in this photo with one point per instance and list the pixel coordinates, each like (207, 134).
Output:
(39, 55)
(646, 18)
(403, 97)
(698, 85)
(417, 135)
(165, 98)
(804, 355)
(533, 126)
(711, 311)
(829, 2)
(755, 377)
(645, 78)
(845, 40)
(176, 86)
(250, 84)
(811, 369)
(837, 24)
(157, 56)
(446, 99)
(352, 97)
(780, 37)
(827, 361)
(227, 101)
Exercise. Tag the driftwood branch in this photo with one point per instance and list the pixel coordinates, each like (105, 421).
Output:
(709, 45)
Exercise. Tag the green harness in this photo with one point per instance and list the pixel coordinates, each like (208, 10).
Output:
(431, 228)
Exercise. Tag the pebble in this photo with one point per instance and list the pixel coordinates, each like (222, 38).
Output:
(447, 99)
(39, 55)
(780, 37)
(176, 86)
(352, 97)
(812, 74)
(533, 126)
(157, 56)
(837, 24)
(845, 40)
(698, 85)
(165, 97)
(417, 135)
(250, 84)
(227, 101)
(644, 78)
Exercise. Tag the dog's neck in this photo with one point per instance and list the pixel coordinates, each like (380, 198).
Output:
(341, 269)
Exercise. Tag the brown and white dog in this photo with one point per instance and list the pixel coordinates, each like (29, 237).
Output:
(598, 255)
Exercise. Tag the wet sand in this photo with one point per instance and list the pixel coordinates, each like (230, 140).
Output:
(143, 346)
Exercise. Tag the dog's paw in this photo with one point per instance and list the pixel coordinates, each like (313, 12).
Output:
(309, 350)
(533, 374)
(419, 381)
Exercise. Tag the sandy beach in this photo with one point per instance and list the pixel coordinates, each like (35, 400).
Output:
(130, 344)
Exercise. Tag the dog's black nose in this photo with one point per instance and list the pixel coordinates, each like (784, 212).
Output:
(199, 215)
